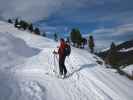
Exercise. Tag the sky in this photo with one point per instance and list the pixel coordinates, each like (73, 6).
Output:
(107, 20)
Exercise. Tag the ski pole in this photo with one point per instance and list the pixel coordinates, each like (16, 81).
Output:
(54, 64)
(50, 61)
(57, 62)
(57, 59)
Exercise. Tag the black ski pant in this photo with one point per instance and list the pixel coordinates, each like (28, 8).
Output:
(62, 66)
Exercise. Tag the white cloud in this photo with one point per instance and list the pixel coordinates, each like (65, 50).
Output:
(125, 29)
(104, 36)
(35, 10)
(29, 9)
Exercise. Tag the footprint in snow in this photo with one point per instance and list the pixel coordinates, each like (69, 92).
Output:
(32, 90)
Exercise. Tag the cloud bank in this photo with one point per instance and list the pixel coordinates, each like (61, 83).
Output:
(104, 36)
(36, 10)
(33, 10)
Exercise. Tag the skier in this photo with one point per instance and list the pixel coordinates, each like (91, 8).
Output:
(62, 56)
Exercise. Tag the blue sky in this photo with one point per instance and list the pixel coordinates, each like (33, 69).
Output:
(107, 20)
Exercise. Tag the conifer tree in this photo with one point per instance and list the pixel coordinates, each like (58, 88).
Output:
(16, 22)
(31, 27)
(37, 31)
(112, 57)
(24, 24)
(76, 37)
(91, 44)
(10, 21)
(44, 34)
(55, 37)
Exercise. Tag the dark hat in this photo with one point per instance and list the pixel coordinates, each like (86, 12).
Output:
(61, 39)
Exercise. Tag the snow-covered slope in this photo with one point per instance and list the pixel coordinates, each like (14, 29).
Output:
(26, 72)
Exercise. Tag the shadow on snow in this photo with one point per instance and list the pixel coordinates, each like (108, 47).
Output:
(81, 68)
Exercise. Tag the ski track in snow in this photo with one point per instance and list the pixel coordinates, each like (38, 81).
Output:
(35, 80)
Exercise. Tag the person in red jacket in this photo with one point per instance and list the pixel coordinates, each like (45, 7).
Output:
(62, 57)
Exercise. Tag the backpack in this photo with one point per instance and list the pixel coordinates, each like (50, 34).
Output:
(67, 50)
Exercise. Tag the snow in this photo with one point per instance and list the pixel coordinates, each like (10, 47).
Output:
(129, 69)
(12, 48)
(126, 50)
(26, 71)
(106, 49)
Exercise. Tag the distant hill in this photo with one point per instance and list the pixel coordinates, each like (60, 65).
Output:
(126, 45)
(124, 53)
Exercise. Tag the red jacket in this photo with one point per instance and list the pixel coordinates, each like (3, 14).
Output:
(62, 46)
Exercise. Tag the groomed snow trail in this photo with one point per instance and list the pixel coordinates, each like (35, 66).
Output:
(32, 76)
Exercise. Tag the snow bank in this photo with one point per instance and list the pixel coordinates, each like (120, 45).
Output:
(9, 89)
(129, 69)
(13, 50)
(126, 50)
(12, 88)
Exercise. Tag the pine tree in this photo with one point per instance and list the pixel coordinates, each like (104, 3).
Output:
(73, 33)
(76, 37)
(113, 47)
(55, 37)
(31, 27)
(37, 31)
(10, 21)
(44, 34)
(112, 57)
(91, 43)
(68, 40)
(24, 24)
(16, 22)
